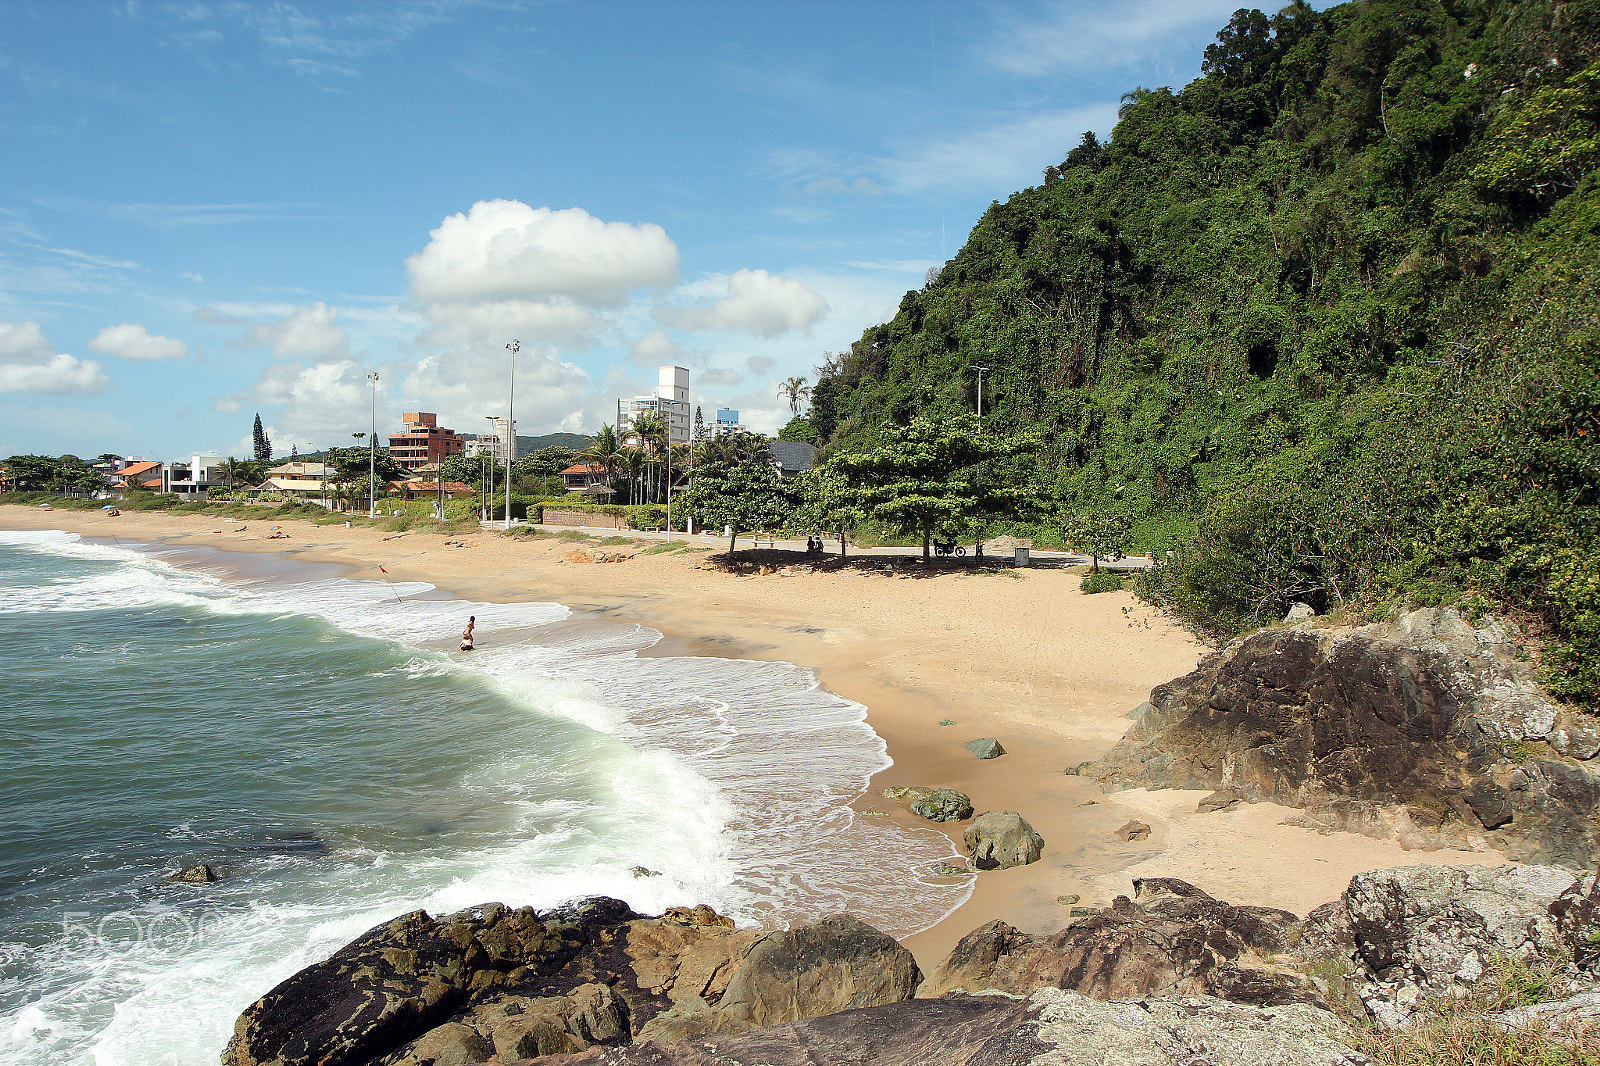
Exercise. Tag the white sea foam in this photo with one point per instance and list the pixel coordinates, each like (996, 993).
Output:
(729, 780)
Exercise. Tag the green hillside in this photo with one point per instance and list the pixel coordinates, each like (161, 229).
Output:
(1325, 321)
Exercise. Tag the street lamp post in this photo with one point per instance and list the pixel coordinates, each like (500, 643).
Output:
(372, 451)
(982, 370)
(511, 425)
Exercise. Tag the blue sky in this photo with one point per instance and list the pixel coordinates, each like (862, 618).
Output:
(214, 209)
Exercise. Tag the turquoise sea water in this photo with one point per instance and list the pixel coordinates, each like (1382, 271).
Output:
(319, 742)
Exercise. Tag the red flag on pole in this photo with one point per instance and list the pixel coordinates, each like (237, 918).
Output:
(380, 567)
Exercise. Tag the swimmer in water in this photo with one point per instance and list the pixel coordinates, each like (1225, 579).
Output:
(466, 634)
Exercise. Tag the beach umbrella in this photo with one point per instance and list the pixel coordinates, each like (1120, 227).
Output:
(109, 507)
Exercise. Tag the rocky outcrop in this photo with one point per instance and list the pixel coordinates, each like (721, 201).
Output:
(1050, 1027)
(419, 991)
(1419, 932)
(1174, 939)
(1424, 729)
(1000, 840)
(987, 748)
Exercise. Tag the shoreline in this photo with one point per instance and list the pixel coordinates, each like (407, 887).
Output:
(1019, 655)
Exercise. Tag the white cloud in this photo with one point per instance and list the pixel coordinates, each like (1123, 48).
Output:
(310, 330)
(757, 302)
(559, 320)
(999, 155)
(720, 376)
(191, 276)
(468, 383)
(1076, 36)
(504, 250)
(759, 364)
(30, 363)
(132, 341)
(655, 349)
(323, 403)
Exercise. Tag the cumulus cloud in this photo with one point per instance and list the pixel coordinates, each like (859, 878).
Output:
(30, 363)
(756, 302)
(132, 341)
(468, 383)
(720, 376)
(323, 402)
(655, 349)
(506, 250)
(309, 330)
(759, 364)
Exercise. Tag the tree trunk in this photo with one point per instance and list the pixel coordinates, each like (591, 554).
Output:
(841, 544)
(926, 537)
(1095, 566)
(731, 541)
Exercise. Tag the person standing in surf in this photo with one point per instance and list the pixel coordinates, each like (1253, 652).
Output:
(466, 634)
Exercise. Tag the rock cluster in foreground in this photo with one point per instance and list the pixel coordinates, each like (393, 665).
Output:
(1424, 729)
(1170, 976)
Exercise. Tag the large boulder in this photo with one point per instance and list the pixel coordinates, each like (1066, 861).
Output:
(1050, 1027)
(1424, 729)
(943, 805)
(1174, 940)
(492, 981)
(1000, 840)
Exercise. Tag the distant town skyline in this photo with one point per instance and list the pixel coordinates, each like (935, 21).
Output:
(218, 209)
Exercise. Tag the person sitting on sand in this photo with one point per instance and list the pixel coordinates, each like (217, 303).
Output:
(466, 634)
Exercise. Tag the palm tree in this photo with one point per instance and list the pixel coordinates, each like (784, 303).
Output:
(797, 391)
(651, 429)
(633, 465)
(604, 455)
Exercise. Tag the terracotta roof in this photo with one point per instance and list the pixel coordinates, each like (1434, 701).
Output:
(137, 468)
(582, 468)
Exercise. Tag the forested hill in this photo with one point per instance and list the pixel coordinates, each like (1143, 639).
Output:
(1352, 268)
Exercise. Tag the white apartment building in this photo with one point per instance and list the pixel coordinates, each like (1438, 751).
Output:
(671, 400)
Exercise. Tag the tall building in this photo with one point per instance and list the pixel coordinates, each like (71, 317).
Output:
(727, 422)
(423, 442)
(671, 401)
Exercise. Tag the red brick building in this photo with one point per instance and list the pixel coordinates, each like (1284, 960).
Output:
(423, 442)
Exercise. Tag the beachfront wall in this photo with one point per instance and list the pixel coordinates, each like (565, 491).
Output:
(554, 517)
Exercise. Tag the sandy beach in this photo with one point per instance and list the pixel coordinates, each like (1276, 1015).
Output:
(1020, 655)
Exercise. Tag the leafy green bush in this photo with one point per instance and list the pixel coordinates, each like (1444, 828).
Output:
(1102, 581)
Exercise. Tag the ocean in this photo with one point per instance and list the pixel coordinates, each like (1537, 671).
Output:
(320, 742)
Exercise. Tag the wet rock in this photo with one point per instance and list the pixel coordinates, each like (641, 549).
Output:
(1133, 831)
(999, 840)
(943, 805)
(987, 748)
(199, 874)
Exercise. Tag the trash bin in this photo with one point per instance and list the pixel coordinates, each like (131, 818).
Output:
(1019, 556)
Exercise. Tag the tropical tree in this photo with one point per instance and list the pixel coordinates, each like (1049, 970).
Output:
(796, 391)
(633, 464)
(826, 504)
(605, 454)
(651, 429)
(741, 496)
(1100, 533)
(926, 477)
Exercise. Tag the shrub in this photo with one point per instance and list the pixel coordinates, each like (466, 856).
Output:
(1102, 581)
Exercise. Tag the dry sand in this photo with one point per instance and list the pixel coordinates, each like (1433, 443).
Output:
(1019, 655)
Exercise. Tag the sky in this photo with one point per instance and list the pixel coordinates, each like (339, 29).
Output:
(213, 210)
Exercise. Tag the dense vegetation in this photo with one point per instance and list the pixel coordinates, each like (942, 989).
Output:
(1324, 323)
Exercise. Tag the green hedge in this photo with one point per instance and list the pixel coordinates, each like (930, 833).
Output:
(638, 516)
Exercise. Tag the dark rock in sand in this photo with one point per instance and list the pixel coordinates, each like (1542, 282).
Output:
(1221, 800)
(1423, 729)
(1175, 940)
(199, 874)
(1133, 831)
(944, 805)
(987, 748)
(999, 840)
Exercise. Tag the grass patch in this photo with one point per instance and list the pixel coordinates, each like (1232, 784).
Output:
(611, 542)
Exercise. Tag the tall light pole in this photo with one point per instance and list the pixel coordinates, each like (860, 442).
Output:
(372, 451)
(511, 425)
(982, 370)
